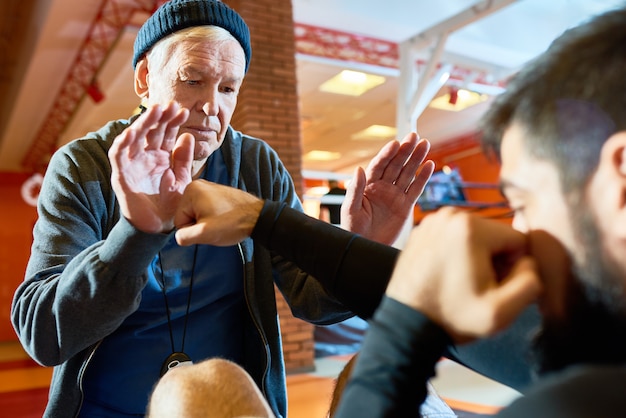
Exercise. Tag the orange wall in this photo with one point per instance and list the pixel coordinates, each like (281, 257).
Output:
(16, 223)
(466, 155)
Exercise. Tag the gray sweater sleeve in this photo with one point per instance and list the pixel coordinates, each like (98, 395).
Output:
(87, 266)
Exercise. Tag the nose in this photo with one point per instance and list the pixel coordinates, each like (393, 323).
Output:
(210, 108)
(519, 224)
(209, 105)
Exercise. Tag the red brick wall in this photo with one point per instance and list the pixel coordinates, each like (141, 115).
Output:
(268, 109)
(268, 103)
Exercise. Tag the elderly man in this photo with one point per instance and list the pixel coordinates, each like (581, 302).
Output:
(109, 299)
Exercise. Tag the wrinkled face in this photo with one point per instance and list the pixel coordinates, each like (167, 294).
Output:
(203, 77)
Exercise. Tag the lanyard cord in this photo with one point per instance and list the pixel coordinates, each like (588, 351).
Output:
(167, 308)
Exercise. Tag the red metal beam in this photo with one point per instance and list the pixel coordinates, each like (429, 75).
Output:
(348, 47)
(104, 32)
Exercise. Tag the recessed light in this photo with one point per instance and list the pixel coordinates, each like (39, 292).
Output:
(375, 133)
(351, 83)
(318, 155)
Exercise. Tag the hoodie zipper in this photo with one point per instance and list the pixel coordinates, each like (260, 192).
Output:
(256, 324)
(81, 374)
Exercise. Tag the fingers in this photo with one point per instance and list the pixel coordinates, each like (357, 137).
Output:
(162, 134)
(377, 166)
(396, 164)
(410, 166)
(156, 129)
(449, 271)
(421, 179)
(188, 207)
(182, 158)
(190, 234)
(132, 138)
(170, 131)
(520, 288)
(187, 217)
(354, 193)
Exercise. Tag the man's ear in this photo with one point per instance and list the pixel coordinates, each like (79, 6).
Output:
(610, 181)
(141, 78)
(620, 137)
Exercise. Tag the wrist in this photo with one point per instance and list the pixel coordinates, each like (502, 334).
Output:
(251, 215)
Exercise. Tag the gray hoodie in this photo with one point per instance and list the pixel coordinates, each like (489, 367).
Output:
(88, 267)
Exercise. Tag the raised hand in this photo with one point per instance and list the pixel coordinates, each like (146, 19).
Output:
(470, 275)
(380, 199)
(211, 213)
(151, 167)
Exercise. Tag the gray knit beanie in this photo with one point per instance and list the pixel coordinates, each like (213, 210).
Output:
(176, 15)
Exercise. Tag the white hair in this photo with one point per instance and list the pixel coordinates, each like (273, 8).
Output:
(162, 50)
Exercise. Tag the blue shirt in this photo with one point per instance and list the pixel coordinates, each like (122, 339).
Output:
(127, 364)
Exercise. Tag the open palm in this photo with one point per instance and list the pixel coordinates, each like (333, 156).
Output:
(151, 168)
(381, 198)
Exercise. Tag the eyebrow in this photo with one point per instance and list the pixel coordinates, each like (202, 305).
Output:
(195, 72)
(505, 184)
(508, 184)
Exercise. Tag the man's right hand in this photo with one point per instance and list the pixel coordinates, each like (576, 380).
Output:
(470, 275)
(214, 214)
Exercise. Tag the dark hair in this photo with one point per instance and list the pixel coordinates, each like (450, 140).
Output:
(569, 100)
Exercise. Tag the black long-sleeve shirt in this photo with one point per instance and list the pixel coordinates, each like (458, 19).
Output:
(356, 271)
(402, 346)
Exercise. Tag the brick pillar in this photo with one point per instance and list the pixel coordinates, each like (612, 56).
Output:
(268, 109)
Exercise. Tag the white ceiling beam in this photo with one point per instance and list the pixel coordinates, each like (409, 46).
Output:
(428, 93)
(434, 81)
(412, 86)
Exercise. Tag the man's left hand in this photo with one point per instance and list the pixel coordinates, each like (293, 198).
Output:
(380, 199)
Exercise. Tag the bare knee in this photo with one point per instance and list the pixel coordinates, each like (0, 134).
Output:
(212, 388)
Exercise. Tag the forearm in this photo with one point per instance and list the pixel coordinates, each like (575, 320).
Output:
(398, 357)
(351, 268)
(87, 267)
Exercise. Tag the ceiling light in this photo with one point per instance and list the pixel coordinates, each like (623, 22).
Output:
(375, 133)
(458, 99)
(351, 83)
(317, 155)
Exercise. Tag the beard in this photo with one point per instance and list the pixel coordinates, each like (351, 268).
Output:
(593, 329)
